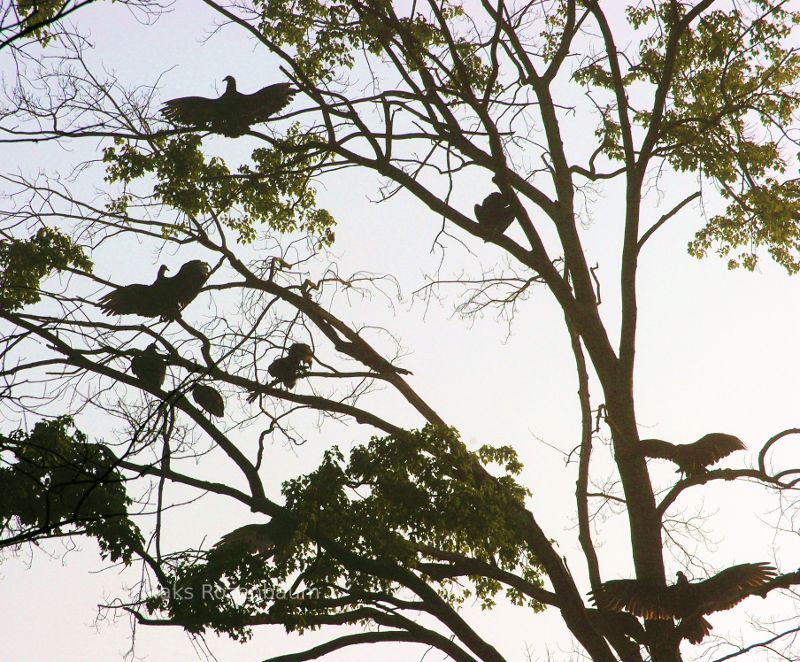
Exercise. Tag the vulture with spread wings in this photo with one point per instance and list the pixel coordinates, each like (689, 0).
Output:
(693, 459)
(164, 298)
(685, 600)
(233, 113)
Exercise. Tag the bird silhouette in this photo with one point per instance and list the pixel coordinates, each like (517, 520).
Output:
(496, 213)
(135, 299)
(686, 601)
(285, 371)
(695, 458)
(209, 399)
(231, 114)
(299, 353)
(164, 298)
(270, 539)
(150, 367)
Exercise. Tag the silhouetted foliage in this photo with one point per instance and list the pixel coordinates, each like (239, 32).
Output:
(443, 104)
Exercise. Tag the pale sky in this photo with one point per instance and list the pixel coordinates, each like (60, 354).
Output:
(717, 352)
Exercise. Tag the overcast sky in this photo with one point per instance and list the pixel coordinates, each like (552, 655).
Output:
(717, 352)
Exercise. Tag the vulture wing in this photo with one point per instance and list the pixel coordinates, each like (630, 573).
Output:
(128, 300)
(636, 597)
(237, 111)
(684, 600)
(694, 458)
(718, 593)
(658, 448)
(200, 112)
(188, 282)
(150, 367)
(136, 299)
(711, 448)
(209, 399)
(257, 107)
(251, 537)
(272, 537)
(727, 588)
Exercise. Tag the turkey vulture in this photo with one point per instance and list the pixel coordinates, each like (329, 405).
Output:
(693, 459)
(209, 399)
(136, 299)
(684, 600)
(256, 538)
(299, 353)
(496, 212)
(232, 113)
(270, 538)
(175, 293)
(164, 298)
(150, 367)
(285, 371)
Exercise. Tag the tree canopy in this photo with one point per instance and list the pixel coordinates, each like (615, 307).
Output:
(501, 127)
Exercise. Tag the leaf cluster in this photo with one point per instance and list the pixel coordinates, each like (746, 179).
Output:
(324, 36)
(54, 480)
(36, 15)
(275, 190)
(354, 529)
(25, 262)
(732, 88)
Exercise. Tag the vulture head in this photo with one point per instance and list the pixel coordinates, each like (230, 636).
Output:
(230, 84)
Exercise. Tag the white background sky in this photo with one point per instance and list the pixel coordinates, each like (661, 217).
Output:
(717, 352)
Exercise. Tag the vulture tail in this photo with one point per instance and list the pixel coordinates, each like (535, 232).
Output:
(694, 629)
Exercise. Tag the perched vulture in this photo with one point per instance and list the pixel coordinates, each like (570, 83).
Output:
(693, 459)
(136, 299)
(684, 600)
(150, 367)
(209, 399)
(164, 298)
(496, 213)
(285, 371)
(175, 293)
(299, 353)
(256, 538)
(269, 538)
(231, 114)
